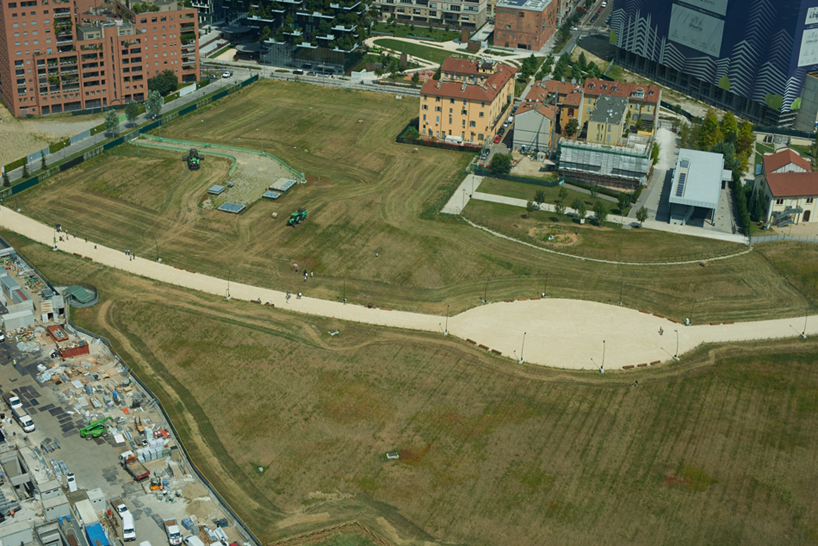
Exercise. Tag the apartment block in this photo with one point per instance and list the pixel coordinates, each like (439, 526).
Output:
(468, 14)
(525, 24)
(643, 101)
(59, 56)
(470, 100)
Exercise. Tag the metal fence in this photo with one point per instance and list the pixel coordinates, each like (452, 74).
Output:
(773, 238)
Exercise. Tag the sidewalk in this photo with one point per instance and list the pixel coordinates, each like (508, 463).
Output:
(560, 333)
(124, 127)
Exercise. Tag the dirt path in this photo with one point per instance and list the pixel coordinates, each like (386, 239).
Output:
(553, 332)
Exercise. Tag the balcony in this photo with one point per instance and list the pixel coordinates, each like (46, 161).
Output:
(67, 42)
(69, 71)
(21, 85)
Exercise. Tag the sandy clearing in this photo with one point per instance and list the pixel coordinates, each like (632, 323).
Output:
(560, 333)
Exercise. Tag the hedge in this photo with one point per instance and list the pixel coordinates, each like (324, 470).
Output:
(59, 145)
(15, 164)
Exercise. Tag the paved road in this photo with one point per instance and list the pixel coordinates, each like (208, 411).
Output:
(560, 333)
(124, 127)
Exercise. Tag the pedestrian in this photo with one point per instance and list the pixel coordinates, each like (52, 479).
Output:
(661, 331)
(86, 239)
(377, 254)
(312, 273)
(95, 246)
(75, 235)
(299, 296)
(296, 270)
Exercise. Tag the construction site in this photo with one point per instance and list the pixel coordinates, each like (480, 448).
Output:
(95, 442)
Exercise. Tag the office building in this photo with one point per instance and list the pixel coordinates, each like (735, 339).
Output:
(62, 56)
(750, 56)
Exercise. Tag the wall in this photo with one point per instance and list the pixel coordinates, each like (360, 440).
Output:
(531, 31)
(532, 130)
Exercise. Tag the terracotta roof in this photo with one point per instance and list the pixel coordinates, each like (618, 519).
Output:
(471, 91)
(546, 110)
(793, 184)
(596, 87)
(464, 66)
(775, 161)
(541, 89)
(573, 99)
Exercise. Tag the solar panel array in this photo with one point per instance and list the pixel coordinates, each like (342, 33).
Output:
(283, 184)
(215, 189)
(234, 208)
(680, 189)
(271, 195)
(684, 163)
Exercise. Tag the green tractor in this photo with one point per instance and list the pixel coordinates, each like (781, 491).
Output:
(193, 159)
(95, 429)
(297, 217)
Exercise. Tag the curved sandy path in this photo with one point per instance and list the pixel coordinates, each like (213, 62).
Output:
(559, 333)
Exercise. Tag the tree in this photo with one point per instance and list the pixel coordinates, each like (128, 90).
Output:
(132, 111)
(745, 143)
(563, 193)
(500, 164)
(642, 215)
(165, 83)
(624, 201)
(415, 78)
(42, 160)
(576, 73)
(437, 74)
(6, 180)
(571, 127)
(153, 106)
(710, 131)
(601, 211)
(530, 207)
(593, 192)
(582, 62)
(729, 127)
(654, 152)
(25, 170)
(539, 197)
(559, 208)
(581, 208)
(111, 122)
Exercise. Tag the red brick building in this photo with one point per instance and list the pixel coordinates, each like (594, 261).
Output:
(58, 56)
(525, 24)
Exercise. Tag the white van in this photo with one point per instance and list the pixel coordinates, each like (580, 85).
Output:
(128, 531)
(193, 540)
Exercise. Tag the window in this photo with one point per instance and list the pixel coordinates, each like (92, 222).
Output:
(809, 200)
(451, 101)
(450, 111)
(463, 112)
(437, 99)
(522, 14)
(779, 201)
(437, 119)
(425, 106)
(480, 136)
(472, 124)
(609, 138)
(481, 114)
(437, 109)
(424, 117)
(464, 123)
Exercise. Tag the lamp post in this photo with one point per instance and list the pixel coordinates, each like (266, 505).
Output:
(522, 349)
(205, 126)
(621, 285)
(603, 355)
(691, 311)
(446, 330)
(345, 290)
(486, 291)
(545, 289)
(228, 284)
(302, 158)
(804, 333)
(157, 247)
(676, 356)
(464, 200)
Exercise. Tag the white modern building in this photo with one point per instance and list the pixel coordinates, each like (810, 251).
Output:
(698, 179)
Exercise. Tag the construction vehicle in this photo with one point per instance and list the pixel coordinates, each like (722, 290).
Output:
(136, 469)
(297, 217)
(193, 159)
(12, 400)
(173, 531)
(95, 429)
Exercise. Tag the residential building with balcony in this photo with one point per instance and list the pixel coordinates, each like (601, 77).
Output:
(470, 101)
(318, 36)
(59, 56)
(468, 14)
(643, 101)
(525, 24)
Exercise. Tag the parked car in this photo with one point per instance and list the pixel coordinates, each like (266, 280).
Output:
(502, 131)
(298, 72)
(485, 154)
(498, 138)
(227, 74)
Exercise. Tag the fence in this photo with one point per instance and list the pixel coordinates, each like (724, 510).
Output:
(773, 238)
(93, 152)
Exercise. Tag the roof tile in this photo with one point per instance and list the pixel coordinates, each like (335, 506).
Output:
(793, 184)
(775, 161)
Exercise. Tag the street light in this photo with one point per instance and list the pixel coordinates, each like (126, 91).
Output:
(345, 290)
(464, 200)
(205, 126)
(522, 349)
(446, 331)
(486, 292)
(228, 284)
(676, 356)
(545, 289)
(157, 247)
(602, 368)
(804, 333)
(690, 320)
(621, 284)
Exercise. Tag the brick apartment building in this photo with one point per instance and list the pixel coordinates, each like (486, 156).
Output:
(470, 101)
(525, 24)
(60, 56)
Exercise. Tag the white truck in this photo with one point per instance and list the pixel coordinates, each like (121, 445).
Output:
(12, 400)
(173, 531)
(119, 507)
(23, 419)
(128, 529)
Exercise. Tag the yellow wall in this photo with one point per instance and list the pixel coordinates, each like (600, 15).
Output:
(792, 202)
(635, 108)
(444, 116)
(598, 133)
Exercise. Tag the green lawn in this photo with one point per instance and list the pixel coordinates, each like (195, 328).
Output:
(433, 54)
(403, 31)
(528, 192)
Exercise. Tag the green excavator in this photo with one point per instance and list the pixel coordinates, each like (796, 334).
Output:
(297, 217)
(95, 429)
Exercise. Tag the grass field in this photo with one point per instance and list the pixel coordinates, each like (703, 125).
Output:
(402, 31)
(520, 190)
(433, 54)
(718, 449)
(367, 194)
